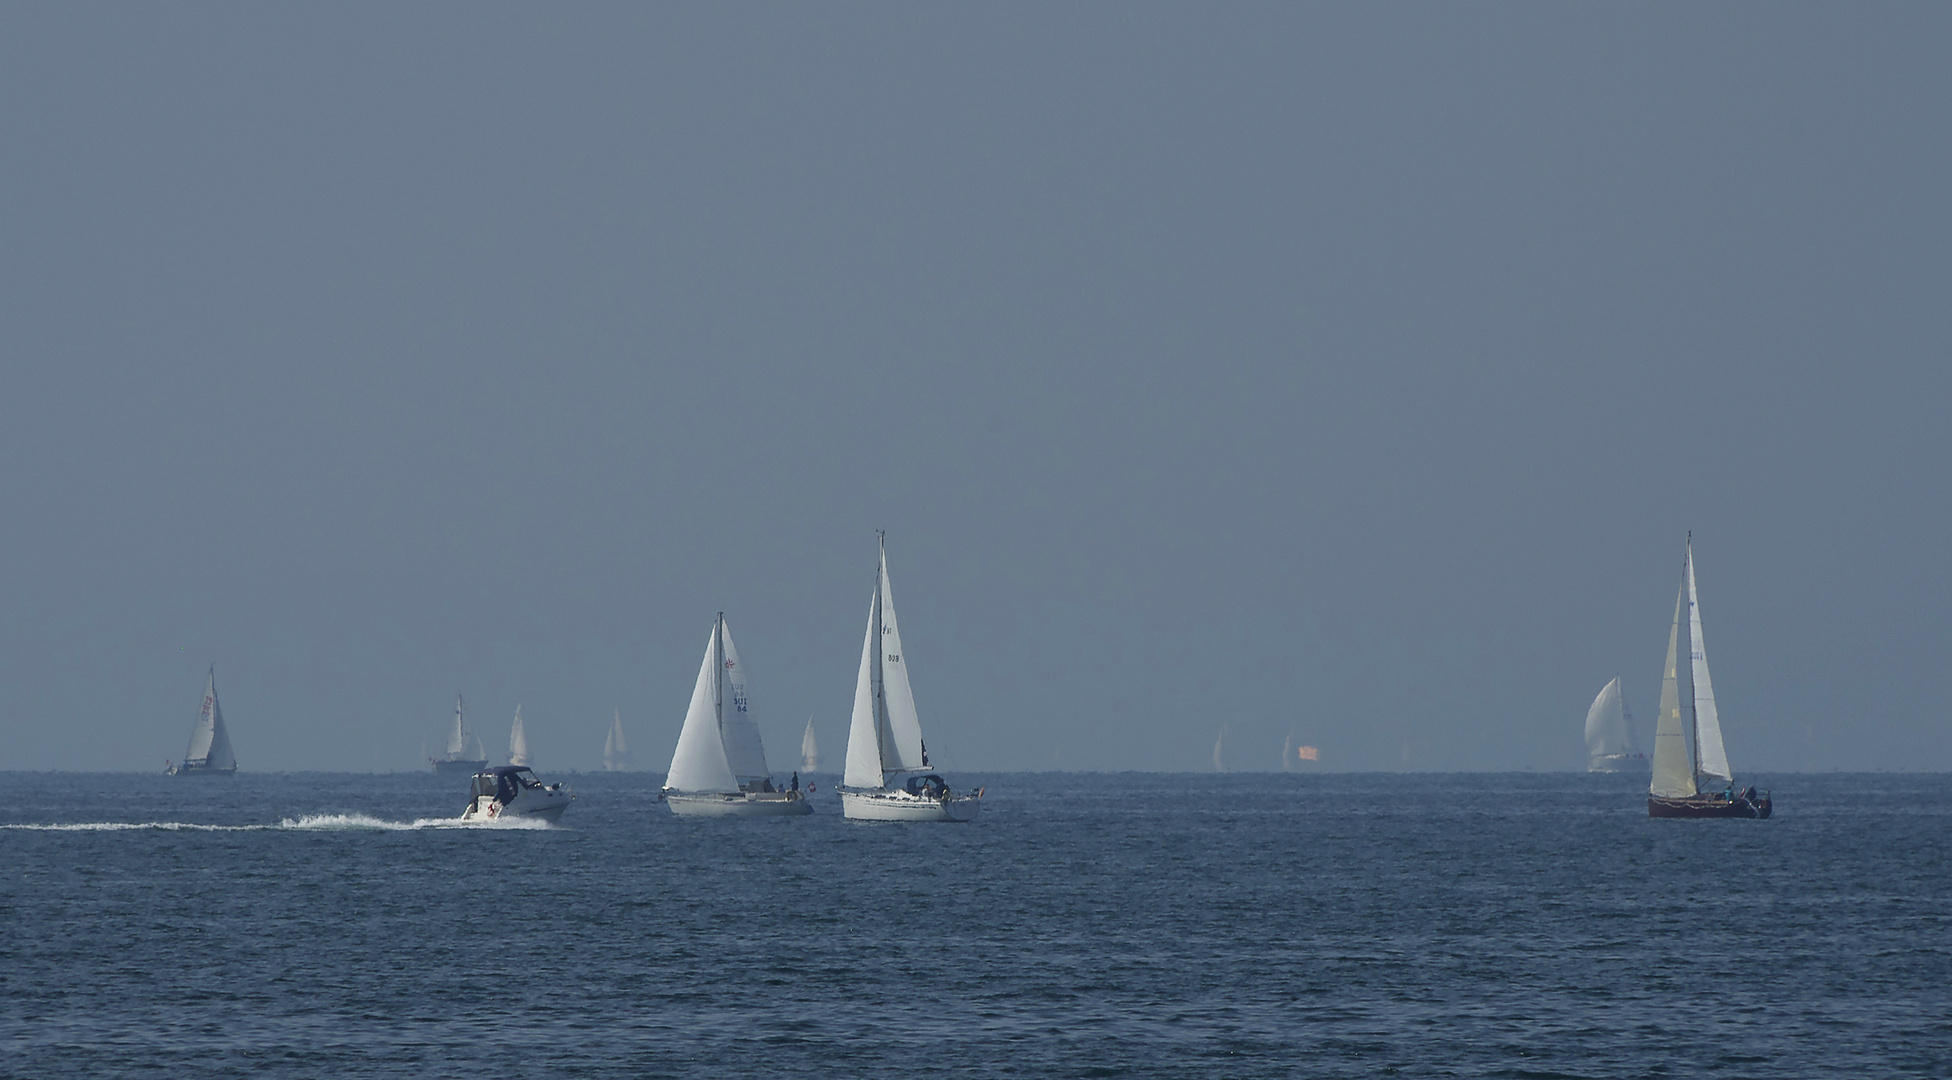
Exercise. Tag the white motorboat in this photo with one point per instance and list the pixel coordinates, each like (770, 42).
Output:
(719, 768)
(210, 753)
(509, 791)
(884, 741)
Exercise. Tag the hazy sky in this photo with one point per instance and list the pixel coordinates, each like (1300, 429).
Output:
(1354, 370)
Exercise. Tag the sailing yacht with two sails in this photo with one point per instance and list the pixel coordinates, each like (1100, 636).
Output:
(1688, 754)
(719, 768)
(465, 755)
(210, 753)
(884, 740)
(616, 752)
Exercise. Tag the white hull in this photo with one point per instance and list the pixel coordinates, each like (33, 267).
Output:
(742, 804)
(1618, 763)
(896, 805)
(546, 805)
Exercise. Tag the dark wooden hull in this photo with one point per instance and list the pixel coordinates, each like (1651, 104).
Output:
(1709, 806)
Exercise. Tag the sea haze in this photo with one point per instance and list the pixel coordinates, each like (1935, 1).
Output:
(310, 925)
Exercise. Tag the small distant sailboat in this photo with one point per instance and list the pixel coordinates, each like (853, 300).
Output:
(1609, 733)
(719, 768)
(884, 739)
(518, 741)
(1220, 751)
(1688, 740)
(616, 753)
(464, 752)
(210, 753)
(809, 750)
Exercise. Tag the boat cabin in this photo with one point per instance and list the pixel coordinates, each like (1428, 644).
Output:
(504, 782)
(928, 787)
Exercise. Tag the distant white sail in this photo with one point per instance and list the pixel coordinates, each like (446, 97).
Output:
(1288, 752)
(1711, 758)
(1608, 738)
(457, 739)
(1220, 751)
(616, 753)
(210, 740)
(518, 741)
(809, 750)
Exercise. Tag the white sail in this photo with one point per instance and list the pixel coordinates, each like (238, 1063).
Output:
(809, 750)
(698, 764)
(1607, 735)
(1288, 752)
(1673, 776)
(866, 730)
(744, 752)
(518, 741)
(616, 753)
(457, 739)
(209, 740)
(1220, 751)
(1710, 758)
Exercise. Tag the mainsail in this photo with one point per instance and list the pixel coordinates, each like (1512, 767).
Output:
(1220, 751)
(809, 749)
(209, 740)
(616, 753)
(1673, 763)
(885, 735)
(518, 741)
(459, 741)
(1710, 759)
(743, 750)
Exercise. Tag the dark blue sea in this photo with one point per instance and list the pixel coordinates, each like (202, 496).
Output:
(1098, 925)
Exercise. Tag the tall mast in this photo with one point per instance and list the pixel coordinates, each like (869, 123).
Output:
(718, 673)
(880, 695)
(1694, 732)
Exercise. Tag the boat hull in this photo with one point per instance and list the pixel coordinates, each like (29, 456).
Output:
(741, 804)
(200, 770)
(548, 806)
(902, 806)
(1708, 806)
(1620, 763)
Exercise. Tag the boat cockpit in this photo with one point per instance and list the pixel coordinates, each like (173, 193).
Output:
(504, 782)
(930, 786)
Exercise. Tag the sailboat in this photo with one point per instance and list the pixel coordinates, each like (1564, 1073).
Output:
(1609, 733)
(809, 750)
(884, 739)
(616, 753)
(719, 768)
(210, 753)
(1688, 754)
(1220, 751)
(518, 741)
(460, 743)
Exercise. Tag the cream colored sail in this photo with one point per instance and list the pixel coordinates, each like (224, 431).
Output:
(744, 751)
(209, 739)
(1673, 774)
(809, 750)
(616, 752)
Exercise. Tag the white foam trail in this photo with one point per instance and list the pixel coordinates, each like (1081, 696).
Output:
(324, 822)
(364, 821)
(126, 826)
